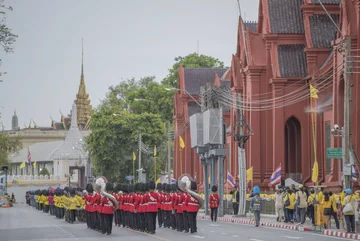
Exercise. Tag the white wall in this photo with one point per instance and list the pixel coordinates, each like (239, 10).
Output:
(20, 191)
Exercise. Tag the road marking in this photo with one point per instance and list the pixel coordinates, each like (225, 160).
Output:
(292, 237)
(252, 239)
(197, 236)
(214, 225)
(223, 233)
(202, 229)
(212, 231)
(235, 236)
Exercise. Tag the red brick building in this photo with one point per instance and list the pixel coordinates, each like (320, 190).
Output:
(293, 43)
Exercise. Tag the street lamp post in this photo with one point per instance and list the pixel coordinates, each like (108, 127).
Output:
(5, 169)
(340, 132)
(176, 89)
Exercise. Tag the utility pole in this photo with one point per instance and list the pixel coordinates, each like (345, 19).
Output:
(346, 131)
(140, 172)
(169, 154)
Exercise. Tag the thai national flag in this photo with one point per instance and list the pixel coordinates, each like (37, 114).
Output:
(29, 157)
(173, 180)
(231, 180)
(276, 176)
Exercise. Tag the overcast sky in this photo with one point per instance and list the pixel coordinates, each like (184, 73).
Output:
(122, 39)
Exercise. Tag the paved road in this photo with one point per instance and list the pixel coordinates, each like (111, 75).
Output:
(22, 223)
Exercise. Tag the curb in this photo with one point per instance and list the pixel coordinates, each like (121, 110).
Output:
(272, 225)
(341, 234)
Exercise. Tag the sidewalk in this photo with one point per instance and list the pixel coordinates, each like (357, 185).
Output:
(337, 233)
(266, 220)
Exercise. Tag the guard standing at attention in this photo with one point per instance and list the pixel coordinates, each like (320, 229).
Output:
(214, 203)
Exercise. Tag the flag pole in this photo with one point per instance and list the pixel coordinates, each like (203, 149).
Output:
(133, 171)
(180, 163)
(155, 167)
(313, 136)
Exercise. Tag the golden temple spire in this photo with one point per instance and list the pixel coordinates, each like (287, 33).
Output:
(83, 107)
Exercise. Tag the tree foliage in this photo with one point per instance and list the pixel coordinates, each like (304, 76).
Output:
(44, 172)
(8, 146)
(190, 61)
(7, 38)
(115, 138)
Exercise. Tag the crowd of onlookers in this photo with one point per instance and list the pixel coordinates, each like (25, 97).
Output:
(292, 205)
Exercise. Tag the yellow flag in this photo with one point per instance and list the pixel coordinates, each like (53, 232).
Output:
(22, 165)
(181, 142)
(249, 174)
(208, 179)
(34, 164)
(134, 156)
(313, 92)
(158, 180)
(154, 150)
(315, 173)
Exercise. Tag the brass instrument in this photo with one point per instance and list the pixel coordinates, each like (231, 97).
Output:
(184, 184)
(99, 185)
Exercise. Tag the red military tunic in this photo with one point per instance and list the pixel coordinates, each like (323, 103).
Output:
(108, 206)
(192, 204)
(179, 202)
(214, 200)
(152, 199)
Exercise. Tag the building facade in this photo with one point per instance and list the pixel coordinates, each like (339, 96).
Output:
(293, 44)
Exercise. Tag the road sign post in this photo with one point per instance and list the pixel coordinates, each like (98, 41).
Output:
(334, 153)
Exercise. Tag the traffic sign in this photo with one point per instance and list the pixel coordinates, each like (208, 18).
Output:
(334, 153)
(129, 178)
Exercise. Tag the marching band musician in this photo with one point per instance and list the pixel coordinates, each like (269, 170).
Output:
(41, 200)
(116, 194)
(46, 201)
(152, 199)
(173, 206)
(167, 206)
(145, 206)
(51, 202)
(160, 193)
(108, 208)
(61, 204)
(123, 205)
(89, 208)
(72, 204)
(179, 211)
(141, 209)
(184, 197)
(192, 205)
(126, 206)
(136, 206)
(95, 203)
(214, 203)
(131, 206)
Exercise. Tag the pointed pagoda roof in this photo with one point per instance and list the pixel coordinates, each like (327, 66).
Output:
(82, 98)
(72, 148)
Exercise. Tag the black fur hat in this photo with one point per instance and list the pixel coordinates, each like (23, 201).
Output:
(173, 187)
(159, 186)
(137, 187)
(193, 186)
(109, 187)
(89, 188)
(118, 188)
(146, 187)
(125, 188)
(131, 188)
(214, 188)
(142, 187)
(163, 187)
(151, 185)
(168, 188)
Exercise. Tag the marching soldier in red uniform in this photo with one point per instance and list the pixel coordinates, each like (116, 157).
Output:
(117, 213)
(173, 206)
(90, 212)
(185, 214)
(131, 207)
(95, 202)
(108, 208)
(140, 210)
(179, 211)
(167, 206)
(160, 193)
(214, 203)
(126, 206)
(152, 207)
(136, 206)
(192, 205)
(145, 205)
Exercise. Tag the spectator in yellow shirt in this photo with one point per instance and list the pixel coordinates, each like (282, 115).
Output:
(349, 211)
(311, 208)
(289, 203)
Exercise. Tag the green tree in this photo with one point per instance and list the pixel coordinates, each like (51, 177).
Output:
(114, 139)
(7, 38)
(44, 172)
(8, 146)
(190, 61)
